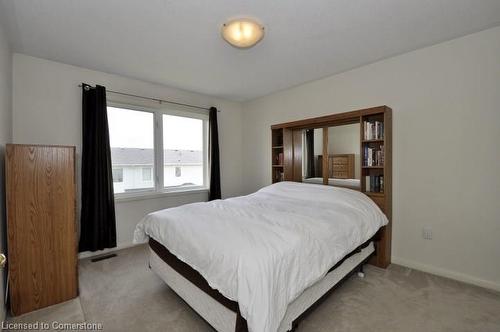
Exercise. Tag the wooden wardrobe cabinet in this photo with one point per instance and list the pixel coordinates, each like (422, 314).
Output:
(41, 225)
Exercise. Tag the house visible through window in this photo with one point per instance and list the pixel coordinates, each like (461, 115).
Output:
(146, 173)
(183, 157)
(136, 154)
(131, 134)
(117, 174)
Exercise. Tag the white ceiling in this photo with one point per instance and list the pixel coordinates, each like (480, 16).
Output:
(177, 42)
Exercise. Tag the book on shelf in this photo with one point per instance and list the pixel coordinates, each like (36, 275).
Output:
(373, 130)
(373, 156)
(374, 184)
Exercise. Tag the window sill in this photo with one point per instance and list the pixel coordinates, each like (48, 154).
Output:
(155, 195)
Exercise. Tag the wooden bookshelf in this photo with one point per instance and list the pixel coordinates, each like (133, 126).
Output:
(281, 144)
(373, 150)
(276, 160)
(380, 193)
(287, 139)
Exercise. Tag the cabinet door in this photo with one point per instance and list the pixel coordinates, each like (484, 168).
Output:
(41, 232)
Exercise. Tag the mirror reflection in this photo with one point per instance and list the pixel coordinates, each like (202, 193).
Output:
(344, 164)
(343, 152)
(313, 156)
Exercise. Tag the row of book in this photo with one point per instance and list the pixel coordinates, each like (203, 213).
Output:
(374, 183)
(279, 159)
(373, 130)
(373, 156)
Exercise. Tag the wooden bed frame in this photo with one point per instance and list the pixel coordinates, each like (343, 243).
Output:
(192, 287)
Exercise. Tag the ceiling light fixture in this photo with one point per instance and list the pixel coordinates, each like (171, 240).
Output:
(242, 33)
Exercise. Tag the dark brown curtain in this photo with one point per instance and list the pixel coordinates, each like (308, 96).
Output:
(98, 226)
(215, 191)
(310, 153)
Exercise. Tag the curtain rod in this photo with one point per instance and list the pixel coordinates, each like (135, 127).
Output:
(150, 98)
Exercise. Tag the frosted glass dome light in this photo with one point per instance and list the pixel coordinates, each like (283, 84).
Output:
(242, 33)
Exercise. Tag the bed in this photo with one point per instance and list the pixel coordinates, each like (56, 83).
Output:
(260, 262)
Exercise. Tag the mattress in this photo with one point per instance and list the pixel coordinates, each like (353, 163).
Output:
(263, 250)
(347, 183)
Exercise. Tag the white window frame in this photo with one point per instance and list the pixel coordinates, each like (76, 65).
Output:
(158, 170)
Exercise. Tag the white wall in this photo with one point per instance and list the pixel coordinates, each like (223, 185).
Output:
(5, 137)
(47, 110)
(446, 111)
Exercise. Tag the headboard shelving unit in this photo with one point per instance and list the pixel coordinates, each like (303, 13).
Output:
(277, 156)
(376, 171)
(380, 168)
(282, 144)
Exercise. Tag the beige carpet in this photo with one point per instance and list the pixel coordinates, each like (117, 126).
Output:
(125, 295)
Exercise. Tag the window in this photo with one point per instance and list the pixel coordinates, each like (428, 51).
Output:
(131, 134)
(183, 146)
(118, 175)
(157, 150)
(146, 173)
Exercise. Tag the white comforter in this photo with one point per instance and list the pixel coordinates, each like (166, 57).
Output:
(263, 250)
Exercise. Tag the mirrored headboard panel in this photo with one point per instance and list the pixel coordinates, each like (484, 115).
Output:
(343, 166)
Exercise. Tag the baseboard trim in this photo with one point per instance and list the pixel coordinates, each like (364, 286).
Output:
(446, 273)
(87, 254)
